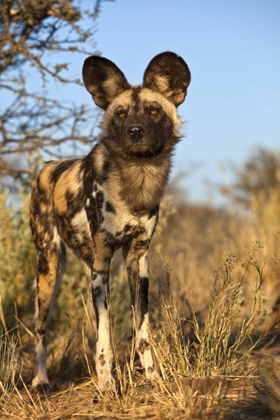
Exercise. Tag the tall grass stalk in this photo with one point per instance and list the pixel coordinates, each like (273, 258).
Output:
(224, 331)
(7, 362)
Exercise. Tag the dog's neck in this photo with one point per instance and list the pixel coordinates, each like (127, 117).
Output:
(139, 182)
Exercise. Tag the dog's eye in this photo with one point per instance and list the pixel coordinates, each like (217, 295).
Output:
(121, 114)
(153, 111)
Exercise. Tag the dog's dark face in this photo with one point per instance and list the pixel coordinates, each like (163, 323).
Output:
(139, 121)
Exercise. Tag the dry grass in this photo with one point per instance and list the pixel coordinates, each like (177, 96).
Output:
(184, 400)
(212, 398)
(7, 363)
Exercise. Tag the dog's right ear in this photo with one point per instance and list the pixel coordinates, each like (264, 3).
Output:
(103, 79)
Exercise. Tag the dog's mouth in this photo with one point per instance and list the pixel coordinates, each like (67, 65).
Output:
(138, 147)
(142, 151)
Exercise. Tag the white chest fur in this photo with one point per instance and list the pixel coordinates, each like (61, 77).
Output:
(113, 217)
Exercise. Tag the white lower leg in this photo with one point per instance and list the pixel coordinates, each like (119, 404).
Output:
(103, 363)
(41, 377)
(104, 354)
(144, 350)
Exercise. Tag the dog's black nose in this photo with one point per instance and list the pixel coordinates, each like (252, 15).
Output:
(135, 131)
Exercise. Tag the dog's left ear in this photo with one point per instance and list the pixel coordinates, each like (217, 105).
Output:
(168, 74)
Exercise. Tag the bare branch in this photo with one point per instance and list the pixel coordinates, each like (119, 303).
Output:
(32, 123)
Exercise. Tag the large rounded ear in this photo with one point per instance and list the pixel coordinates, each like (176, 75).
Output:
(103, 79)
(168, 74)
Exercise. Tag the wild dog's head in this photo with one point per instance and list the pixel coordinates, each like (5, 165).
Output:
(141, 121)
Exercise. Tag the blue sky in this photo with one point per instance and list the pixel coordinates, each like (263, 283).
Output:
(233, 51)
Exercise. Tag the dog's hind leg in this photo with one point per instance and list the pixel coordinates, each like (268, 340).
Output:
(49, 272)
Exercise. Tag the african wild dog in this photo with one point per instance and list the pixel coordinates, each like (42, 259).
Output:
(109, 199)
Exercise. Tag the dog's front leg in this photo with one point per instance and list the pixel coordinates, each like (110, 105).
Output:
(137, 268)
(100, 296)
